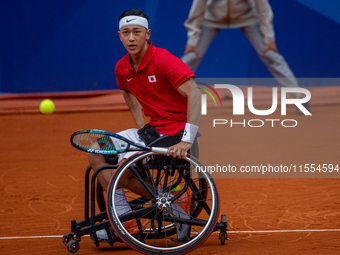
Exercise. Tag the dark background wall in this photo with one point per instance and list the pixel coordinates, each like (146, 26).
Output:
(62, 45)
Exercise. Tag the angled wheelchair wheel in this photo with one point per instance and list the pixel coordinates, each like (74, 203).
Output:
(162, 205)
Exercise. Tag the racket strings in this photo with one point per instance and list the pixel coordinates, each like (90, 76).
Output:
(99, 142)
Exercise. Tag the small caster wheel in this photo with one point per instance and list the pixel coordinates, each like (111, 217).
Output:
(73, 246)
(222, 238)
(67, 238)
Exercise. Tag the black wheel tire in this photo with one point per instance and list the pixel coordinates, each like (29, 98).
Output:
(169, 246)
(67, 238)
(73, 246)
(223, 237)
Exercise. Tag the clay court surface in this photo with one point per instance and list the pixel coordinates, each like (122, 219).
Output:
(42, 183)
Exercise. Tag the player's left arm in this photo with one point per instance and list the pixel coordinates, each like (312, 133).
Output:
(189, 90)
(135, 108)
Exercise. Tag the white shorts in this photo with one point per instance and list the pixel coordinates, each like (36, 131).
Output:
(132, 135)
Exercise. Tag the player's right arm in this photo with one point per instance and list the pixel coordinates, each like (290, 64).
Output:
(135, 108)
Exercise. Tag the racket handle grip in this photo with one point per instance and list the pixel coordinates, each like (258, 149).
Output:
(160, 150)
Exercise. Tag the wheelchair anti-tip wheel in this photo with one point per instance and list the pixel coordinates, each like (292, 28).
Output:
(162, 205)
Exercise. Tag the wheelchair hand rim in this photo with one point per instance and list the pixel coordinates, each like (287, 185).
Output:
(126, 233)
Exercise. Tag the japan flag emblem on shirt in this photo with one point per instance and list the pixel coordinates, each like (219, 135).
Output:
(152, 78)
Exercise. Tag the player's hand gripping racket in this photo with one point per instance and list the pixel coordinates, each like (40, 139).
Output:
(103, 142)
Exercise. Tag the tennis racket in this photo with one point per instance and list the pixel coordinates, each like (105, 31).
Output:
(104, 142)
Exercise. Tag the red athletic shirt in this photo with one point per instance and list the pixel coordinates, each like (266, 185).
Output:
(155, 86)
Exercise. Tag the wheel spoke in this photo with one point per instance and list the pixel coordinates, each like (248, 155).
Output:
(194, 208)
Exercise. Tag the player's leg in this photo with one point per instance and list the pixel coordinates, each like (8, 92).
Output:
(96, 161)
(127, 180)
(168, 223)
(207, 36)
(274, 61)
(104, 176)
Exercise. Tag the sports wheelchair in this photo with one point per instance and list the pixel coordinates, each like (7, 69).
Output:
(162, 225)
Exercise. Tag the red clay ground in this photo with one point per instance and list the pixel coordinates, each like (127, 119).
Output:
(42, 183)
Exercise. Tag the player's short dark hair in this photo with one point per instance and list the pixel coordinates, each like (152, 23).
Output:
(135, 12)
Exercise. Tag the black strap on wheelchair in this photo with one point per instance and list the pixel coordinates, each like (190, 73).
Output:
(111, 158)
(148, 134)
(151, 137)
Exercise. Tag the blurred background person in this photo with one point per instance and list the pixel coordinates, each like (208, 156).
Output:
(253, 17)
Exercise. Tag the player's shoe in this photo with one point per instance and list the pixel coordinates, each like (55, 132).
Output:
(183, 230)
(130, 225)
(181, 209)
(306, 105)
(102, 235)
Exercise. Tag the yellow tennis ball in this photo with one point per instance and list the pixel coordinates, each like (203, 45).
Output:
(47, 106)
(176, 189)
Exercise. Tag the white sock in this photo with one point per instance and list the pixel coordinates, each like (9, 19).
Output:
(122, 205)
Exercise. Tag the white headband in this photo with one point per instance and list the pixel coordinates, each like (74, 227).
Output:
(133, 20)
